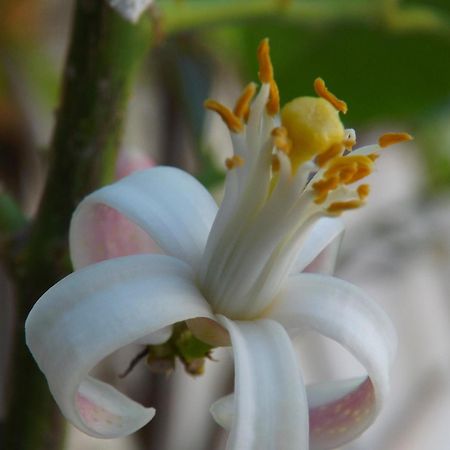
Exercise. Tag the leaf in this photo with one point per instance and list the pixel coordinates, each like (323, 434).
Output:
(381, 74)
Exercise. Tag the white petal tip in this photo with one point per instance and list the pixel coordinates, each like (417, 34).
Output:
(130, 10)
(222, 411)
(105, 413)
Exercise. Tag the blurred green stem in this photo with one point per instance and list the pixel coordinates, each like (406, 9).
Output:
(11, 216)
(103, 56)
(187, 15)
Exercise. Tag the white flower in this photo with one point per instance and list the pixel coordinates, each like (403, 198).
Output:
(233, 273)
(130, 10)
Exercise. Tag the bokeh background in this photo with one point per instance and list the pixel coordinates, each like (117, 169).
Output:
(390, 62)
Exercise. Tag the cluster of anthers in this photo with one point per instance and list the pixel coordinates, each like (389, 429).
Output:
(307, 141)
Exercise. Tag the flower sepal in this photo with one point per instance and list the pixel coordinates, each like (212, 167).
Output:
(182, 345)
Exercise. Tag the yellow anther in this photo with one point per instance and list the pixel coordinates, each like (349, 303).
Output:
(332, 152)
(339, 207)
(347, 173)
(322, 91)
(373, 156)
(233, 122)
(273, 104)
(265, 64)
(323, 187)
(393, 138)
(281, 140)
(361, 172)
(313, 125)
(242, 107)
(234, 161)
(350, 168)
(363, 191)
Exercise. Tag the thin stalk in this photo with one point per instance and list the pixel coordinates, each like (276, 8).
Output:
(104, 54)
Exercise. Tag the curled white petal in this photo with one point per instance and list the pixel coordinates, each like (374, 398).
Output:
(95, 311)
(157, 337)
(270, 411)
(342, 410)
(324, 233)
(174, 209)
(130, 9)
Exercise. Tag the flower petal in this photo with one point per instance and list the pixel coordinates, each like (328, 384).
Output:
(320, 247)
(130, 10)
(270, 411)
(342, 410)
(95, 311)
(173, 208)
(130, 161)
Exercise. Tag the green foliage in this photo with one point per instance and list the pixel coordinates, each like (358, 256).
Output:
(382, 75)
(433, 137)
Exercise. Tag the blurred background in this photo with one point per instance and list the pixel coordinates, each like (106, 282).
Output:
(390, 63)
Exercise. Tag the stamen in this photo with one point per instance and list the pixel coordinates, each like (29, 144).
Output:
(350, 168)
(265, 64)
(323, 187)
(273, 104)
(234, 161)
(347, 173)
(361, 172)
(332, 152)
(242, 107)
(281, 140)
(233, 122)
(373, 156)
(339, 207)
(393, 138)
(363, 191)
(322, 91)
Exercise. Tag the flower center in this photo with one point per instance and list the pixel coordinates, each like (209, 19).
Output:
(313, 125)
(286, 172)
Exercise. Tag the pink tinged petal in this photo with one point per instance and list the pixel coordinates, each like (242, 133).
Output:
(270, 408)
(109, 235)
(96, 311)
(319, 251)
(132, 161)
(344, 409)
(171, 211)
(97, 405)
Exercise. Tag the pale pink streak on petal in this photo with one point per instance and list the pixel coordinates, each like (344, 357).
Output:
(342, 312)
(173, 208)
(92, 313)
(92, 413)
(113, 235)
(339, 421)
(335, 416)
